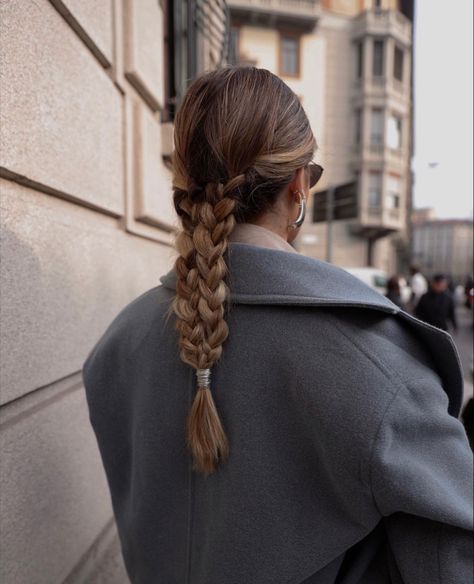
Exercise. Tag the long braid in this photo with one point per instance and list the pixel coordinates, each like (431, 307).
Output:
(199, 305)
(240, 136)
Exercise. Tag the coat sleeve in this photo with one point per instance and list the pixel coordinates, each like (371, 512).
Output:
(420, 311)
(422, 484)
(452, 313)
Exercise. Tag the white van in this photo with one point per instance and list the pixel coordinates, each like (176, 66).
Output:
(377, 279)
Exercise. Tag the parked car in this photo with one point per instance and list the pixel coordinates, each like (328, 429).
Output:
(377, 279)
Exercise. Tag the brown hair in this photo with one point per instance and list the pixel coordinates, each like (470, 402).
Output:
(239, 136)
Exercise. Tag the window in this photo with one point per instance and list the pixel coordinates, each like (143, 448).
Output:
(359, 59)
(358, 127)
(394, 132)
(234, 36)
(393, 194)
(398, 63)
(375, 189)
(378, 57)
(289, 55)
(376, 127)
(180, 53)
(377, 3)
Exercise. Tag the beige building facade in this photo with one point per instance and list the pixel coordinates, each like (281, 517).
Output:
(443, 245)
(349, 61)
(87, 95)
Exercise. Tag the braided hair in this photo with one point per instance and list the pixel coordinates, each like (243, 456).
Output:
(240, 134)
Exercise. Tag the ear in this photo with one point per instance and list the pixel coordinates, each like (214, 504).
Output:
(300, 182)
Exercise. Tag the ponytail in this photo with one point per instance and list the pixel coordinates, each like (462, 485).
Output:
(240, 134)
(199, 305)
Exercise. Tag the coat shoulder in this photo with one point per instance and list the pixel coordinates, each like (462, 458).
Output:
(388, 342)
(129, 328)
(409, 349)
(358, 363)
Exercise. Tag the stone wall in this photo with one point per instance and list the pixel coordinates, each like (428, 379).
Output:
(87, 222)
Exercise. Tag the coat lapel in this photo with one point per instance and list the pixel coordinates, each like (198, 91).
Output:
(259, 275)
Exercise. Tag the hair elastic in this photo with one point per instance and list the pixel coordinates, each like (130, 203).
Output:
(203, 377)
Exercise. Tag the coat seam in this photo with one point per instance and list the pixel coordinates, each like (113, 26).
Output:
(381, 365)
(399, 384)
(372, 449)
(376, 437)
(453, 350)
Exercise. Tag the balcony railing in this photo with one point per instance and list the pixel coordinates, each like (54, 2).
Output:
(292, 12)
(383, 23)
(382, 87)
(398, 86)
(379, 81)
(300, 7)
(394, 214)
(367, 153)
(375, 211)
(396, 152)
(377, 219)
(377, 149)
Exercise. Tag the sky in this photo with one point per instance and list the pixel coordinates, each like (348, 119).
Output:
(443, 161)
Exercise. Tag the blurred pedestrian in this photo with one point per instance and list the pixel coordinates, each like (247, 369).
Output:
(436, 306)
(393, 291)
(418, 285)
(468, 287)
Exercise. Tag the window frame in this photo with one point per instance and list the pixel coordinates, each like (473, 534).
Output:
(359, 59)
(290, 34)
(380, 178)
(235, 27)
(394, 194)
(394, 115)
(382, 42)
(358, 126)
(398, 50)
(381, 111)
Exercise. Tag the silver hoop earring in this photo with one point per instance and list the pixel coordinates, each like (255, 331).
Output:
(301, 215)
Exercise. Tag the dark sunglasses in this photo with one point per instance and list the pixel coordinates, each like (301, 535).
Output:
(315, 172)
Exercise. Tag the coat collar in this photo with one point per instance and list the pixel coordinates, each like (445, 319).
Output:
(259, 275)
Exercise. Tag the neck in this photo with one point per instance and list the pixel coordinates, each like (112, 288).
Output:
(276, 227)
(260, 234)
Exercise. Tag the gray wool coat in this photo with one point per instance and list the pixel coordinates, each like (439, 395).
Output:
(348, 463)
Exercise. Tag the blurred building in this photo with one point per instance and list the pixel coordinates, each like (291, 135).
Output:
(422, 214)
(349, 61)
(444, 245)
(87, 96)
